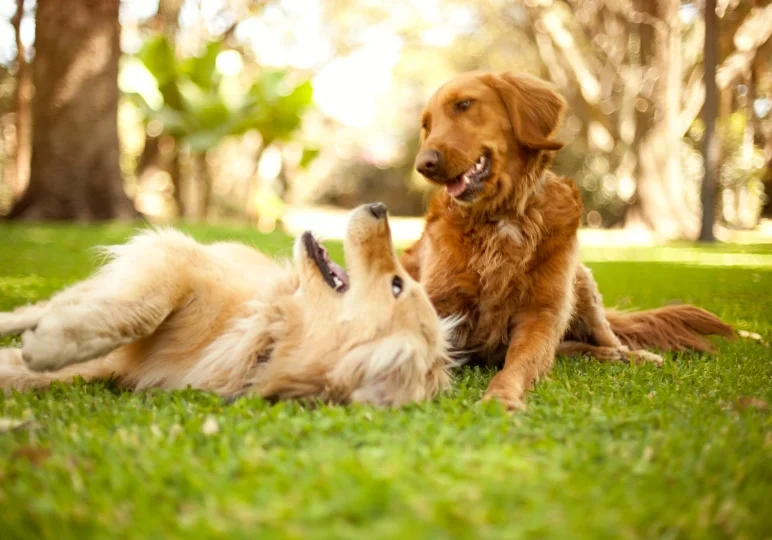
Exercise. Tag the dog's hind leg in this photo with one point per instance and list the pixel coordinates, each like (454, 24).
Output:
(591, 322)
(589, 318)
(14, 374)
(91, 328)
(607, 354)
(124, 302)
(27, 317)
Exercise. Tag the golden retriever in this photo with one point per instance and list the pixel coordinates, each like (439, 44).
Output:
(168, 312)
(500, 242)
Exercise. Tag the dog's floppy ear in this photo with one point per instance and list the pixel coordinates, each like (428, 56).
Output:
(534, 109)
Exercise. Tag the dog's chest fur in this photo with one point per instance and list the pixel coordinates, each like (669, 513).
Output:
(483, 269)
(478, 272)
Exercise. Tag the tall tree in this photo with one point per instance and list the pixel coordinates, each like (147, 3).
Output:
(710, 142)
(661, 201)
(762, 130)
(75, 171)
(153, 159)
(23, 92)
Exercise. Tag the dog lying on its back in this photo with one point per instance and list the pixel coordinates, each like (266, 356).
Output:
(168, 312)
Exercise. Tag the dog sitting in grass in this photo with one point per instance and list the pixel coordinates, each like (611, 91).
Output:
(500, 246)
(167, 312)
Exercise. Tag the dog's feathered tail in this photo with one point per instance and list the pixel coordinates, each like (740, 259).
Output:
(671, 328)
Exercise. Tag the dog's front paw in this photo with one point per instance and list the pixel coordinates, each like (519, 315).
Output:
(61, 339)
(50, 346)
(510, 395)
(43, 351)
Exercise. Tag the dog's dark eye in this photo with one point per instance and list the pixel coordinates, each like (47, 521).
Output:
(396, 286)
(464, 105)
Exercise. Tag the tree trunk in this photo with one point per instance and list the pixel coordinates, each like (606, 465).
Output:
(662, 199)
(203, 186)
(166, 21)
(766, 180)
(23, 92)
(175, 171)
(710, 141)
(766, 209)
(75, 172)
(762, 132)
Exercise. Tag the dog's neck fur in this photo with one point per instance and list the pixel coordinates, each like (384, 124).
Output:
(516, 213)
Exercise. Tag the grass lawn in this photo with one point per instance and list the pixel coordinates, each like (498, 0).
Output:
(602, 451)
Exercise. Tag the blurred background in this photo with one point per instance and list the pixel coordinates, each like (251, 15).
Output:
(265, 110)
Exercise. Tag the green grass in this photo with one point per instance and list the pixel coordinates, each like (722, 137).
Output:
(603, 450)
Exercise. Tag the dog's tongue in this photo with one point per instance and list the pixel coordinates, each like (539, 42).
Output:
(339, 273)
(456, 188)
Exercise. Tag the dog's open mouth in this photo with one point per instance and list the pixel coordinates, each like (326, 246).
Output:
(335, 276)
(464, 185)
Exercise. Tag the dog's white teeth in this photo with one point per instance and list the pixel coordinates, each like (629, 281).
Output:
(338, 282)
(466, 180)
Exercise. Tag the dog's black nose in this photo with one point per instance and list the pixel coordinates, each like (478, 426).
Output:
(428, 162)
(378, 210)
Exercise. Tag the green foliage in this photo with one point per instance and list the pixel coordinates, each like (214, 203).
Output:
(739, 165)
(309, 154)
(274, 106)
(742, 164)
(603, 451)
(199, 108)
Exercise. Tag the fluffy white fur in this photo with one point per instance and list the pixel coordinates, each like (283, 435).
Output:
(168, 312)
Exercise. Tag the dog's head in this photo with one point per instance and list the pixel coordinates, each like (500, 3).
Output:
(369, 334)
(484, 136)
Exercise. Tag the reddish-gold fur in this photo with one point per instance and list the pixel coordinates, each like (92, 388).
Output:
(507, 260)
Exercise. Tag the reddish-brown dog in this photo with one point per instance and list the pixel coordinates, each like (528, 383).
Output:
(500, 242)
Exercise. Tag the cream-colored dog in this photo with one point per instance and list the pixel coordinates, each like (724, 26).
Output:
(168, 312)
